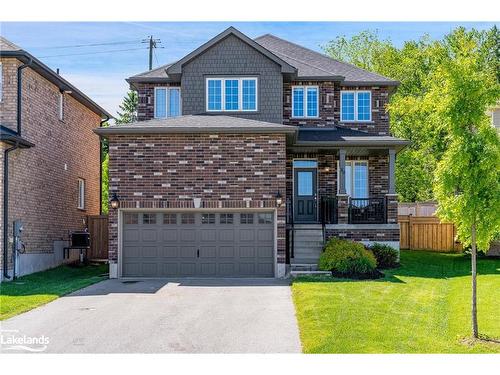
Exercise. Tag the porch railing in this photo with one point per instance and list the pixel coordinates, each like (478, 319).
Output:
(328, 210)
(367, 211)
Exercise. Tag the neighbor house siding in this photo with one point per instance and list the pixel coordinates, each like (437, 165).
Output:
(231, 56)
(224, 170)
(43, 179)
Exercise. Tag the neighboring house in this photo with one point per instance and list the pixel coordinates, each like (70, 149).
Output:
(246, 153)
(49, 160)
(494, 113)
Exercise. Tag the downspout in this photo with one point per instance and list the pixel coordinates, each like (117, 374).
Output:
(6, 209)
(100, 165)
(6, 168)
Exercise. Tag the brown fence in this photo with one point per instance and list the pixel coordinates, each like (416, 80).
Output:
(98, 229)
(427, 233)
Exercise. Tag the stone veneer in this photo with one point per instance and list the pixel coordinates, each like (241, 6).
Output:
(224, 170)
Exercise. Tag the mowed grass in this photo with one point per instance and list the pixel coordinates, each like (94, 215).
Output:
(421, 307)
(28, 292)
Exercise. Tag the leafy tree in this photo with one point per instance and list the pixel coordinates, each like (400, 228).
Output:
(467, 179)
(105, 184)
(128, 108)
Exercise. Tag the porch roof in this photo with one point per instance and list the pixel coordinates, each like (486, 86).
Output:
(339, 137)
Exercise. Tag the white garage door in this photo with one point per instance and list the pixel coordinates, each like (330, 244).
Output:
(204, 244)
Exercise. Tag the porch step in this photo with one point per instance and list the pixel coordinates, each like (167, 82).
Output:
(308, 244)
(308, 226)
(304, 267)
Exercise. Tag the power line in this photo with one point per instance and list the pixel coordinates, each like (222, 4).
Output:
(93, 53)
(94, 44)
(152, 45)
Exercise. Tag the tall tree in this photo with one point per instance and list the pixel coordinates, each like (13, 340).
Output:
(128, 108)
(467, 180)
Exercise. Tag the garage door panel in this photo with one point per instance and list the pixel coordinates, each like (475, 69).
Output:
(226, 251)
(170, 252)
(131, 235)
(149, 235)
(170, 235)
(220, 245)
(188, 235)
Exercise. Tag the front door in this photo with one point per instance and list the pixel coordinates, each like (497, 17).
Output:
(305, 199)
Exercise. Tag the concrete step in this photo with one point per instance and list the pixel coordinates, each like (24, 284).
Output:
(308, 226)
(308, 233)
(305, 273)
(304, 267)
(305, 260)
(305, 243)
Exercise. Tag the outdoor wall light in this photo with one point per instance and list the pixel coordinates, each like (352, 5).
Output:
(115, 202)
(279, 199)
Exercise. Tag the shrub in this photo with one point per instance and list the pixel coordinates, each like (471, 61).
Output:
(348, 259)
(387, 256)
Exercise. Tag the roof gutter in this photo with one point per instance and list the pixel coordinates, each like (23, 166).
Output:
(190, 130)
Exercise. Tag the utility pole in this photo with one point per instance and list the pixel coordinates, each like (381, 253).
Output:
(152, 44)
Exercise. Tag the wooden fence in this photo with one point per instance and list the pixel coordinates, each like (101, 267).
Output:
(98, 229)
(427, 233)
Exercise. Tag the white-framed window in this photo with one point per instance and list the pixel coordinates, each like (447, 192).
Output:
(167, 102)
(305, 101)
(1, 81)
(356, 178)
(61, 106)
(231, 94)
(355, 106)
(81, 193)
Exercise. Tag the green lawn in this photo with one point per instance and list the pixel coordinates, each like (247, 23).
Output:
(421, 307)
(39, 288)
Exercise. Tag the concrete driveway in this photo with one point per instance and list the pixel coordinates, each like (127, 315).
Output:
(163, 316)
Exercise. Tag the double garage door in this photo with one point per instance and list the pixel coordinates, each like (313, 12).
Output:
(198, 244)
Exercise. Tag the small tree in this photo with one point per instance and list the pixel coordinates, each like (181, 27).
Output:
(467, 179)
(105, 185)
(129, 108)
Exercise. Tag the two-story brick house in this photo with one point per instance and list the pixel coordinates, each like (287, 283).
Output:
(49, 160)
(246, 155)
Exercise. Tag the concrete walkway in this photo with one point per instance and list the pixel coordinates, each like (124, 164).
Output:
(164, 316)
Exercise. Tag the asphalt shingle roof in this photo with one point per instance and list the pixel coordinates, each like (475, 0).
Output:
(198, 124)
(317, 64)
(340, 134)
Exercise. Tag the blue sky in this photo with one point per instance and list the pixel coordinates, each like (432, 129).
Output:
(101, 73)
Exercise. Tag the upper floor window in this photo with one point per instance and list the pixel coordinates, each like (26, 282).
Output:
(167, 102)
(355, 106)
(305, 101)
(231, 94)
(61, 106)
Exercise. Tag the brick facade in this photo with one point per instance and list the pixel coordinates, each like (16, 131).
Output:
(380, 234)
(224, 170)
(146, 93)
(43, 179)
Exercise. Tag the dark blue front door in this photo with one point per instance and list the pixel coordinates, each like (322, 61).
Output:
(305, 200)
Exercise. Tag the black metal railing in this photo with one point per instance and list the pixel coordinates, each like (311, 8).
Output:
(367, 211)
(328, 210)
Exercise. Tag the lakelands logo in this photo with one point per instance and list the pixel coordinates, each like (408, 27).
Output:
(10, 340)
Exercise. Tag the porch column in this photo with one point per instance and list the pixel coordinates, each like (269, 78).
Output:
(342, 198)
(392, 171)
(341, 181)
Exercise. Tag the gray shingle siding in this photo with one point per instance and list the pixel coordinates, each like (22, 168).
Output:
(231, 56)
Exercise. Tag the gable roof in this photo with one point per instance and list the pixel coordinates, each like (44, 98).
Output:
(155, 75)
(9, 49)
(315, 65)
(176, 68)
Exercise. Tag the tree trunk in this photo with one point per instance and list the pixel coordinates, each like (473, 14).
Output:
(474, 282)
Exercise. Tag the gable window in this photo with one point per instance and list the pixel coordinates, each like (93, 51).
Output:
(81, 194)
(356, 179)
(231, 94)
(355, 106)
(167, 102)
(305, 101)
(61, 106)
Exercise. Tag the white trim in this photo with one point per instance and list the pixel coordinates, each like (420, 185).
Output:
(120, 220)
(356, 92)
(352, 175)
(81, 194)
(240, 93)
(305, 87)
(167, 100)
